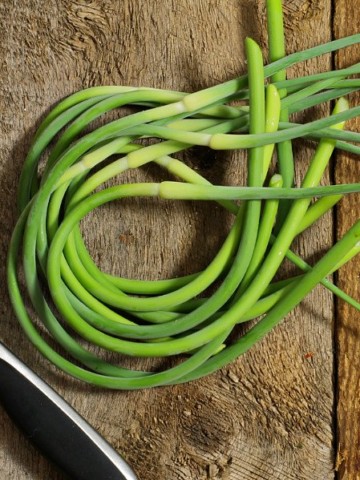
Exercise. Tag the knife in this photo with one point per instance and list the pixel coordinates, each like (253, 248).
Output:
(55, 427)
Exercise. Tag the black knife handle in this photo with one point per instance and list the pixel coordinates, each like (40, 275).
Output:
(55, 427)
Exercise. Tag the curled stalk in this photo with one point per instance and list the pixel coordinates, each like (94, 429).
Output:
(175, 316)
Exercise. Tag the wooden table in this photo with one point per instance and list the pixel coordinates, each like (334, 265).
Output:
(288, 409)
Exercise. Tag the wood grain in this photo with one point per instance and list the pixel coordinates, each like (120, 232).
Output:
(348, 319)
(269, 415)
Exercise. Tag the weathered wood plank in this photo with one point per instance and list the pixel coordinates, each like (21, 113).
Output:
(268, 415)
(347, 22)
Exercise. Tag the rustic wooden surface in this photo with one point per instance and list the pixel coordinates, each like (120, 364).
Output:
(277, 412)
(348, 320)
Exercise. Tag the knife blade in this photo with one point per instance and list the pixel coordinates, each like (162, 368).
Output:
(55, 427)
